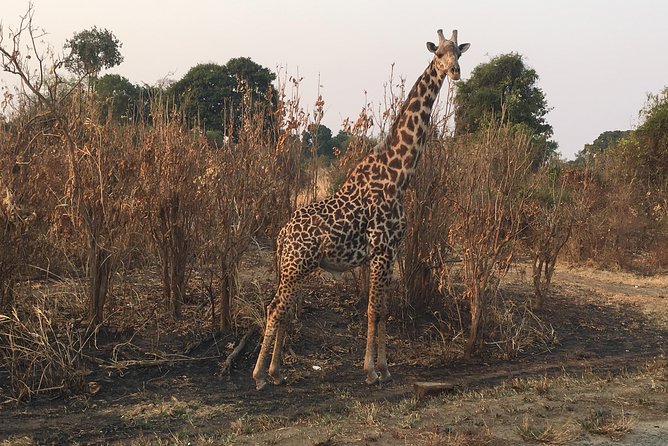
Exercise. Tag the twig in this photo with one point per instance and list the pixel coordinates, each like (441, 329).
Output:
(148, 362)
(227, 365)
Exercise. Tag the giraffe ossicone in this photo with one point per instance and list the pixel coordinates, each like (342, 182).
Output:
(363, 222)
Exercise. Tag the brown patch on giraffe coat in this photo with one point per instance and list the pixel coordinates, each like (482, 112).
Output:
(395, 138)
(390, 190)
(406, 137)
(395, 163)
(410, 125)
(415, 105)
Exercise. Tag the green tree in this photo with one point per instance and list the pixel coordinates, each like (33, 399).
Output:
(341, 141)
(653, 137)
(91, 51)
(119, 96)
(319, 135)
(604, 141)
(210, 92)
(505, 89)
(644, 154)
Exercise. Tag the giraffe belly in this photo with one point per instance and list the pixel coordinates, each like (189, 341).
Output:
(336, 265)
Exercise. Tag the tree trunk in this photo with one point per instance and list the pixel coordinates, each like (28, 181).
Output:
(538, 288)
(475, 332)
(226, 292)
(99, 272)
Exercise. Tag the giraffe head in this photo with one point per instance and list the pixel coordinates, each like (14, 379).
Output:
(446, 54)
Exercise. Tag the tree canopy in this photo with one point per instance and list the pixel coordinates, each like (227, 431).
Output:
(326, 144)
(504, 89)
(91, 51)
(604, 141)
(645, 153)
(119, 94)
(208, 92)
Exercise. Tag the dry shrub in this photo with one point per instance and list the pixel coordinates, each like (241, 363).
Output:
(514, 329)
(16, 223)
(430, 216)
(86, 202)
(240, 184)
(172, 157)
(618, 224)
(488, 185)
(549, 224)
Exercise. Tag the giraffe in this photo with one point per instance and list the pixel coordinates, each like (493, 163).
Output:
(363, 222)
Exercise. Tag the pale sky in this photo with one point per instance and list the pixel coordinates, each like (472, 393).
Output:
(597, 59)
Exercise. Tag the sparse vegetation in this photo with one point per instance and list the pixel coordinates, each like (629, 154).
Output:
(127, 224)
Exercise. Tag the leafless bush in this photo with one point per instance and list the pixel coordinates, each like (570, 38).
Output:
(240, 183)
(430, 215)
(172, 157)
(549, 221)
(487, 186)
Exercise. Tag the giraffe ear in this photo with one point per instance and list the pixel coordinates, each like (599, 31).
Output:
(431, 46)
(463, 47)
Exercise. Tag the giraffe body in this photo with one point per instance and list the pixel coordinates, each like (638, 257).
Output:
(363, 222)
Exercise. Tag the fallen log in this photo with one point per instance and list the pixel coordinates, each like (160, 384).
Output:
(241, 346)
(423, 389)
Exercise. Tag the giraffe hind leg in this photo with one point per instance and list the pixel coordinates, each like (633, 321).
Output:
(260, 370)
(275, 373)
(278, 321)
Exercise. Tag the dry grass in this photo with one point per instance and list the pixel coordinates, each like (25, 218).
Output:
(604, 422)
(41, 352)
(546, 433)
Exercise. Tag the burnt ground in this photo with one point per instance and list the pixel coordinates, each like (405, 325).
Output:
(144, 394)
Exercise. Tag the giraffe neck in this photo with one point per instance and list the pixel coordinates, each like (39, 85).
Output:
(408, 133)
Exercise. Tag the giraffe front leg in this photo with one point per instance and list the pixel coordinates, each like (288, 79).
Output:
(372, 325)
(383, 369)
(377, 312)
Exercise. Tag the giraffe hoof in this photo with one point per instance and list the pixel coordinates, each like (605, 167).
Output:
(260, 384)
(279, 380)
(385, 377)
(372, 380)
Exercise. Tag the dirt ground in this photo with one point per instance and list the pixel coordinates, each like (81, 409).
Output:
(604, 381)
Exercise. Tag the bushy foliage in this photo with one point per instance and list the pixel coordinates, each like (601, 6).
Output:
(93, 50)
(119, 96)
(211, 93)
(504, 89)
(623, 186)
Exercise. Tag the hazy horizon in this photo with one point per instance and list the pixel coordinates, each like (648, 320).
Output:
(597, 59)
